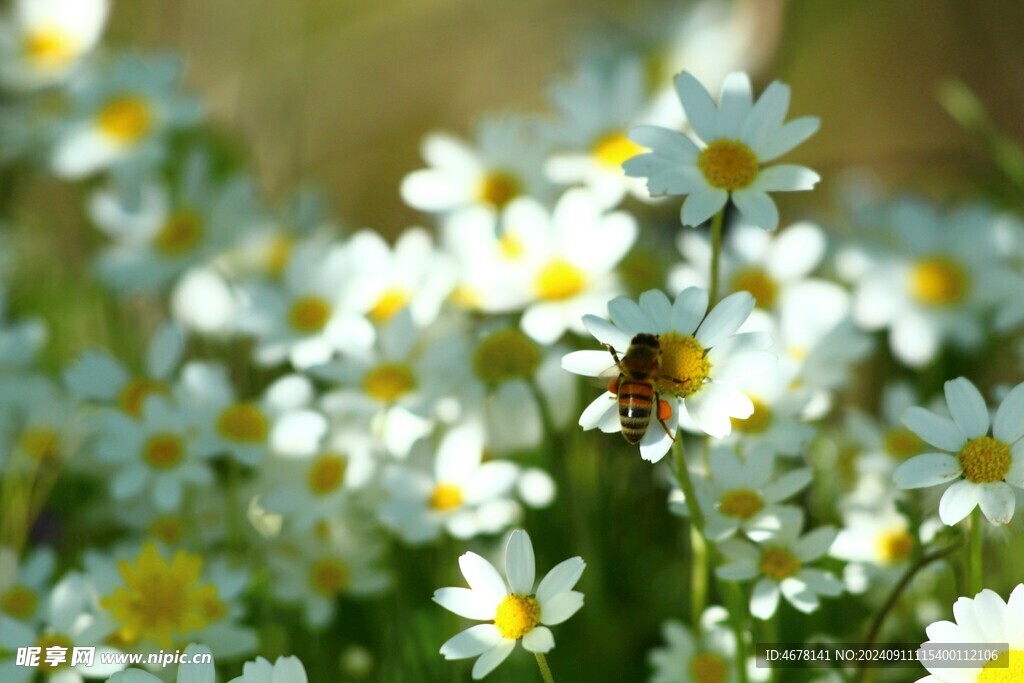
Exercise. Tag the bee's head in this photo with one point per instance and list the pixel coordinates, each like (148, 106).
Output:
(645, 339)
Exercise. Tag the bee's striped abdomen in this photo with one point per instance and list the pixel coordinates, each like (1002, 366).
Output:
(636, 401)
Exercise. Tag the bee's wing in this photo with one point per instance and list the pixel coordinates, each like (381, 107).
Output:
(605, 377)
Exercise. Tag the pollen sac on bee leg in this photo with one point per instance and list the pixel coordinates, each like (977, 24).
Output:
(664, 410)
(613, 385)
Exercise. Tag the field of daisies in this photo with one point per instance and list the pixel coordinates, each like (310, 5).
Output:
(607, 413)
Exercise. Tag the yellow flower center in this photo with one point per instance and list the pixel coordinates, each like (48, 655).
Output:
(894, 545)
(902, 443)
(728, 164)
(984, 460)
(388, 382)
(559, 280)
(52, 640)
(167, 528)
(613, 149)
(327, 473)
(740, 503)
(135, 392)
(163, 451)
(938, 281)
(758, 421)
(329, 576)
(516, 616)
(446, 497)
(179, 234)
(510, 246)
(779, 564)
(684, 366)
(49, 48)
(243, 423)
(707, 667)
(40, 443)
(498, 188)
(391, 301)
(1007, 668)
(160, 600)
(309, 314)
(19, 602)
(126, 119)
(278, 253)
(505, 355)
(760, 285)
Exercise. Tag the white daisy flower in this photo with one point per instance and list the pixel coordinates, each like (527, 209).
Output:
(505, 161)
(931, 279)
(25, 585)
(701, 359)
(40, 426)
(878, 540)
(45, 40)
(745, 494)
(463, 495)
(196, 670)
(781, 565)
(283, 670)
(704, 655)
(597, 108)
(737, 137)
(983, 468)
(120, 116)
(516, 611)
(303, 319)
(984, 619)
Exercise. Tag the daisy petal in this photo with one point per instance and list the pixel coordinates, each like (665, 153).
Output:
(1008, 425)
(725, 318)
(606, 333)
(785, 178)
(764, 599)
(490, 660)
(595, 413)
(520, 565)
(937, 430)
(787, 137)
(562, 577)
(734, 104)
(967, 406)
(665, 142)
(702, 204)
(587, 363)
(539, 640)
(483, 578)
(561, 607)
(799, 595)
(658, 307)
(767, 114)
(472, 642)
(958, 501)
(465, 603)
(814, 544)
(664, 174)
(927, 469)
(997, 501)
(758, 207)
(627, 315)
(699, 107)
(689, 309)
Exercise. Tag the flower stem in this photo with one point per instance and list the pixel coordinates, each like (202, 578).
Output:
(716, 252)
(545, 670)
(732, 592)
(974, 554)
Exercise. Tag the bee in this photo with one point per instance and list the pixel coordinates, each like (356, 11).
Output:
(634, 389)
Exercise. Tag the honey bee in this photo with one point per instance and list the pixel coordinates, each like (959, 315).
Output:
(634, 387)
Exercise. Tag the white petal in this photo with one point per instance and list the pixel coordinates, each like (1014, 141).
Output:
(737, 571)
(764, 599)
(800, 595)
(561, 607)
(967, 406)
(767, 114)
(997, 501)
(734, 104)
(665, 142)
(725, 318)
(483, 578)
(786, 485)
(699, 107)
(465, 603)
(927, 469)
(758, 207)
(958, 501)
(492, 480)
(562, 577)
(1015, 475)
(937, 430)
(702, 204)
(815, 544)
(459, 453)
(539, 639)
(595, 413)
(1008, 425)
(165, 350)
(471, 642)
(785, 178)
(689, 309)
(714, 404)
(606, 333)
(490, 660)
(787, 137)
(628, 315)
(519, 563)
(196, 673)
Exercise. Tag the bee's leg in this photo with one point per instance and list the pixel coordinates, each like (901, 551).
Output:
(664, 414)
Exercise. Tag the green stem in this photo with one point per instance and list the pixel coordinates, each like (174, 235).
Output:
(732, 592)
(545, 670)
(974, 554)
(716, 252)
